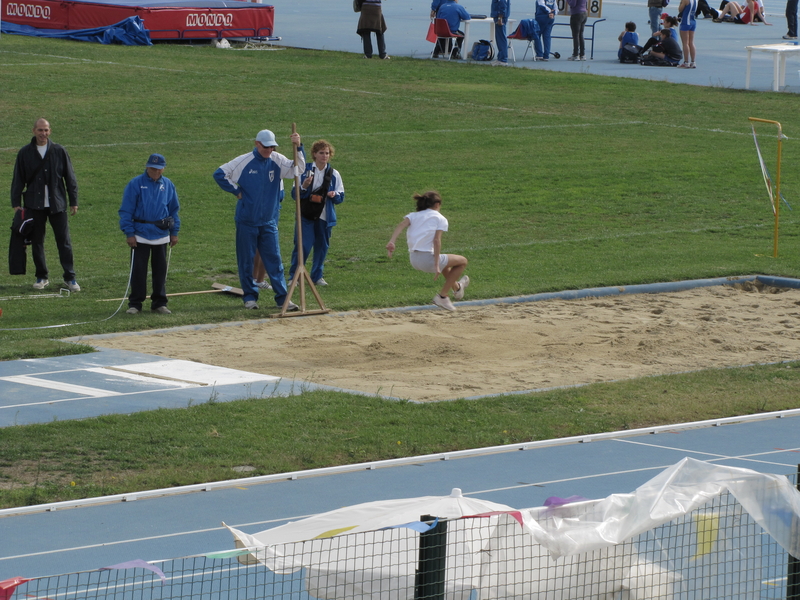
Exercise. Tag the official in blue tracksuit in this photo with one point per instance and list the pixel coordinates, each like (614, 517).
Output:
(321, 189)
(255, 180)
(149, 219)
(454, 14)
(500, 11)
(546, 11)
(436, 5)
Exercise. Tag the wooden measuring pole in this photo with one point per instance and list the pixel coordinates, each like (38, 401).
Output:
(300, 274)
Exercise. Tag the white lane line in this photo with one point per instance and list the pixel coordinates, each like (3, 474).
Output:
(79, 398)
(131, 373)
(60, 386)
(193, 372)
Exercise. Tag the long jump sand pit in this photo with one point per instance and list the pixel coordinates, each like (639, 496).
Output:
(431, 355)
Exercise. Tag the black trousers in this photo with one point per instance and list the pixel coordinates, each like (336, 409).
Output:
(791, 17)
(366, 38)
(157, 256)
(444, 46)
(577, 23)
(60, 224)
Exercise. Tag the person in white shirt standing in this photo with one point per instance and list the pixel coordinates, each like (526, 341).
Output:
(424, 236)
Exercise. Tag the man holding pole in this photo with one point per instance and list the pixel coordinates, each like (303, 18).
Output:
(255, 179)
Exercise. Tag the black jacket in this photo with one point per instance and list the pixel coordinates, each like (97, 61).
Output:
(27, 186)
(21, 231)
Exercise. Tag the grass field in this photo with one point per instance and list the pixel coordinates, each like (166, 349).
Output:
(550, 181)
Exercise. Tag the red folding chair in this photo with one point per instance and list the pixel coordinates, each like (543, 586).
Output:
(445, 36)
(517, 35)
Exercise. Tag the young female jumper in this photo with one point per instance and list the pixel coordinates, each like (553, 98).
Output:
(424, 236)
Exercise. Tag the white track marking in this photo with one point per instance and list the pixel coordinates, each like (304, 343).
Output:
(191, 372)
(60, 386)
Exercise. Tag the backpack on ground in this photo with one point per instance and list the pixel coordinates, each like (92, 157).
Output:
(630, 54)
(482, 50)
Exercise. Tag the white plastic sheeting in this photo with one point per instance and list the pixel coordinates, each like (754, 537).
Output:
(770, 500)
(580, 550)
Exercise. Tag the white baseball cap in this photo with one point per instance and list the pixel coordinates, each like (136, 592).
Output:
(266, 138)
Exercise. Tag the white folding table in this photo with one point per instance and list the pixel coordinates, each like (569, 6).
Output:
(779, 52)
(466, 49)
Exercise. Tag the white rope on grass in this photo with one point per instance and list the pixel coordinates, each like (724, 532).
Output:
(127, 289)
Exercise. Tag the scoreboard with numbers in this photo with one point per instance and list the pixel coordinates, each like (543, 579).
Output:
(595, 8)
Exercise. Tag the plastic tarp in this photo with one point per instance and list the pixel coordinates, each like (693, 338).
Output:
(546, 558)
(770, 500)
(128, 32)
(361, 551)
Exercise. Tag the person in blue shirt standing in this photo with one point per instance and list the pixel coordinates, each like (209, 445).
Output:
(149, 219)
(500, 11)
(546, 11)
(453, 13)
(255, 179)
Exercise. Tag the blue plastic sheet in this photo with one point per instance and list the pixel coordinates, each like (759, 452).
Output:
(130, 32)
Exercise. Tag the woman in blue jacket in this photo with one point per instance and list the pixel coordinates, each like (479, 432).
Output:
(320, 191)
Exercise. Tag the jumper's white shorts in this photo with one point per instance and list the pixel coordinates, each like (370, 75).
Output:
(423, 261)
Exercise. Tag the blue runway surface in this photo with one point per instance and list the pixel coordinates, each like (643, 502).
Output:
(185, 522)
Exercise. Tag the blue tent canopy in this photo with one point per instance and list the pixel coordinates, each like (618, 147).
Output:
(130, 32)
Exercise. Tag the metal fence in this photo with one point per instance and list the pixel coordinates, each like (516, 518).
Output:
(716, 552)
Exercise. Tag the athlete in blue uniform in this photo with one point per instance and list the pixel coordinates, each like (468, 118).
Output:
(687, 10)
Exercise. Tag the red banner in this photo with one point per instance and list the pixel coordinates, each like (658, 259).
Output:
(8, 586)
(249, 20)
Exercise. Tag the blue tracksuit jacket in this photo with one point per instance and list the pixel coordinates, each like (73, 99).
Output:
(148, 200)
(259, 181)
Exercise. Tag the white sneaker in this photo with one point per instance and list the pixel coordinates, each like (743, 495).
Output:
(162, 310)
(292, 307)
(263, 285)
(133, 311)
(463, 283)
(251, 305)
(574, 57)
(72, 286)
(41, 284)
(321, 282)
(444, 303)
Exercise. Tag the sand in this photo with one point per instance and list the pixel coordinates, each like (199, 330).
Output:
(435, 355)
